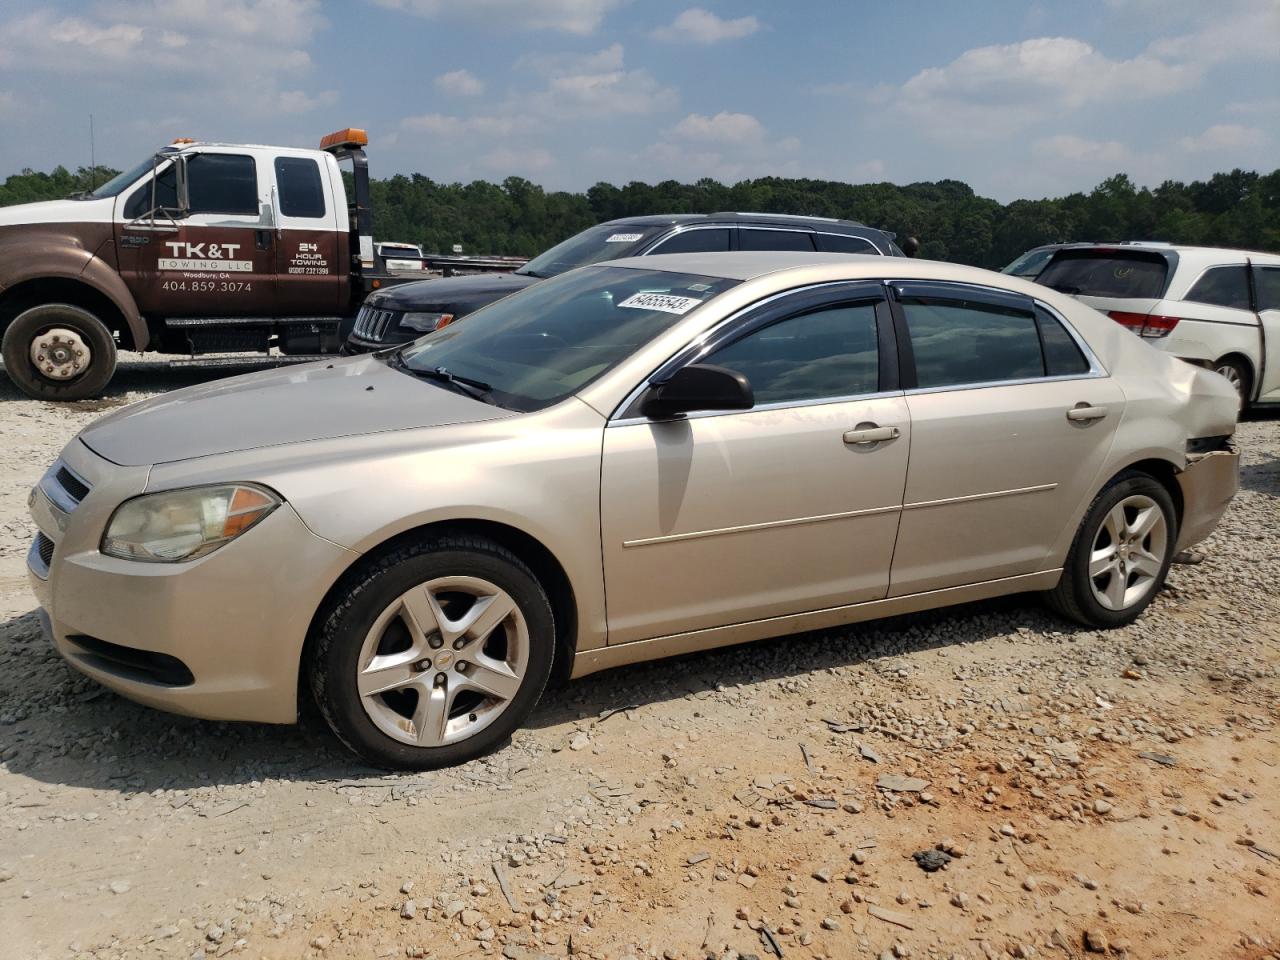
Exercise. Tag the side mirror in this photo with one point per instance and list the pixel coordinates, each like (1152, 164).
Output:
(699, 386)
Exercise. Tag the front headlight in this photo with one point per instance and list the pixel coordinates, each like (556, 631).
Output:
(184, 524)
(426, 322)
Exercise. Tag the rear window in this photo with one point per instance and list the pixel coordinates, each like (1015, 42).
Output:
(1107, 273)
(842, 243)
(301, 191)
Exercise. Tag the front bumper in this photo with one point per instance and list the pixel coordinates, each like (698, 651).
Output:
(219, 637)
(1208, 484)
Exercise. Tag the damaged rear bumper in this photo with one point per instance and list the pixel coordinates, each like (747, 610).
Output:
(1208, 484)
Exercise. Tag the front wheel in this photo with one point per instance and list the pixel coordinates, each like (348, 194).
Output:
(437, 654)
(1120, 555)
(58, 351)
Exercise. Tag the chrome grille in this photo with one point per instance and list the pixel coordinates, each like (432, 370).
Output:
(372, 325)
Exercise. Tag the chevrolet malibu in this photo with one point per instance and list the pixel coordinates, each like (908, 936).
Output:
(632, 460)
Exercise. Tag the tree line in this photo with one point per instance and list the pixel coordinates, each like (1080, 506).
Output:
(1237, 209)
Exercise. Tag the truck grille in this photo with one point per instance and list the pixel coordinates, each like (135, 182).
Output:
(372, 325)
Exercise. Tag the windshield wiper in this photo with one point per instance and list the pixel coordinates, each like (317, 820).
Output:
(468, 387)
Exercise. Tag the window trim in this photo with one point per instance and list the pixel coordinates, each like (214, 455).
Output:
(765, 313)
(996, 297)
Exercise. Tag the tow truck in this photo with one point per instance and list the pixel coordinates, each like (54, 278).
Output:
(202, 248)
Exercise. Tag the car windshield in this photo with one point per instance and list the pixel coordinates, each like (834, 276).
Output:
(1030, 263)
(536, 347)
(1107, 273)
(114, 186)
(605, 242)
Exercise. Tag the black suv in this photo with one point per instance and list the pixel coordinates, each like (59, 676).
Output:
(408, 311)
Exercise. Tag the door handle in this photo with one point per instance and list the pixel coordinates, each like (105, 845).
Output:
(1083, 412)
(870, 433)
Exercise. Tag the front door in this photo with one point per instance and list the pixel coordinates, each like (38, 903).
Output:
(215, 259)
(307, 240)
(1266, 285)
(1011, 422)
(789, 507)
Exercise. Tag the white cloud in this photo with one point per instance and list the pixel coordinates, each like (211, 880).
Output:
(556, 64)
(697, 25)
(733, 128)
(1224, 137)
(299, 101)
(997, 90)
(569, 16)
(1074, 150)
(445, 125)
(1231, 31)
(460, 83)
(597, 84)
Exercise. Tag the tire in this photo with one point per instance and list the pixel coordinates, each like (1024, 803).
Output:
(1237, 372)
(1128, 574)
(412, 607)
(74, 332)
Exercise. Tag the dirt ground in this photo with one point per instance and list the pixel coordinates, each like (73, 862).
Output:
(1077, 793)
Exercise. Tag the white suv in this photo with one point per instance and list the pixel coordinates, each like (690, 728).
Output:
(1215, 308)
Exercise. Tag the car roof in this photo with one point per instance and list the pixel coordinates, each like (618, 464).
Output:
(821, 224)
(751, 264)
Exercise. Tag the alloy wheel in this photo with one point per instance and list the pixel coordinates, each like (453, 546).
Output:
(443, 661)
(1128, 552)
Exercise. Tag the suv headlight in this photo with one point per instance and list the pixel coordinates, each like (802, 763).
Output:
(181, 525)
(426, 322)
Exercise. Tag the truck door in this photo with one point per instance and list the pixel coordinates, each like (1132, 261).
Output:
(307, 240)
(216, 257)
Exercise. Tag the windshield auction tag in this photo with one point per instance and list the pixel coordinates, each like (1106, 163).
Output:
(664, 302)
(624, 238)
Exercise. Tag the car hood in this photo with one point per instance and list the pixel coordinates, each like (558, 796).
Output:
(318, 401)
(455, 295)
(57, 211)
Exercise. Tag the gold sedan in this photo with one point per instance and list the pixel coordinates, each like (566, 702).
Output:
(632, 460)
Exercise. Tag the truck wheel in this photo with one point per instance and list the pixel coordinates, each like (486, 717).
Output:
(58, 351)
(434, 655)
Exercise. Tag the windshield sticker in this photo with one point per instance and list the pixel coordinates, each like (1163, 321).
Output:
(699, 287)
(664, 302)
(624, 238)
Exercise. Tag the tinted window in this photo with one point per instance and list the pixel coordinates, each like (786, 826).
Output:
(957, 342)
(222, 183)
(1107, 273)
(750, 239)
(1267, 282)
(827, 353)
(839, 243)
(605, 242)
(298, 183)
(1029, 264)
(1062, 356)
(695, 241)
(139, 202)
(541, 344)
(1222, 287)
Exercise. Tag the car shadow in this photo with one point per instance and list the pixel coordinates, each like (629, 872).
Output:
(58, 727)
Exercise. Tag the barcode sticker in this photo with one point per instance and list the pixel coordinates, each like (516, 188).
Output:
(664, 302)
(624, 237)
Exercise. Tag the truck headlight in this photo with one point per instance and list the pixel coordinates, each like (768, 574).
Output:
(426, 322)
(181, 525)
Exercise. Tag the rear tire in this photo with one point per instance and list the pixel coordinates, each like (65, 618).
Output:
(1120, 555)
(58, 351)
(1238, 375)
(434, 655)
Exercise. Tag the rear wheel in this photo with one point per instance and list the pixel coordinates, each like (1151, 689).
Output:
(58, 351)
(1237, 374)
(438, 654)
(1121, 554)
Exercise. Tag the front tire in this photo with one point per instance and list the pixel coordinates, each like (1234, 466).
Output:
(58, 351)
(1121, 554)
(435, 655)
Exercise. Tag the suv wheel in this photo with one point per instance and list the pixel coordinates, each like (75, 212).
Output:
(1121, 554)
(58, 351)
(437, 654)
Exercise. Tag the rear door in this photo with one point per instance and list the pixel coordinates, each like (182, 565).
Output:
(1266, 285)
(214, 259)
(1011, 421)
(307, 239)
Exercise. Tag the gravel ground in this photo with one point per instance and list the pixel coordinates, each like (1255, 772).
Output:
(1066, 792)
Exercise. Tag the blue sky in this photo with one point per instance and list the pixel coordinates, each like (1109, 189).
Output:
(1018, 99)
